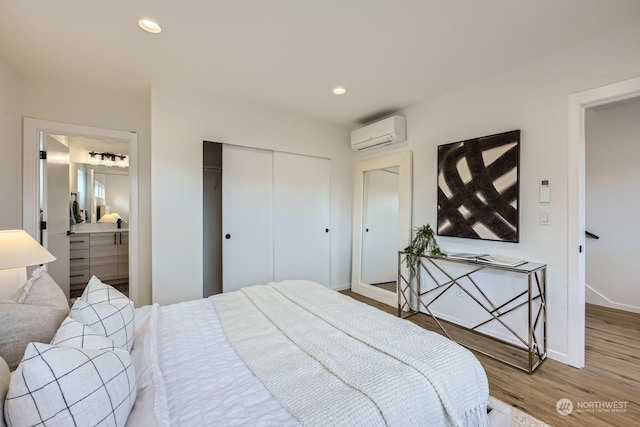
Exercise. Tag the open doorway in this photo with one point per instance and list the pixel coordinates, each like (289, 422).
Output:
(212, 218)
(612, 205)
(578, 104)
(84, 174)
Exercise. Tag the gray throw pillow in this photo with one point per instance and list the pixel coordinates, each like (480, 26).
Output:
(41, 308)
(5, 378)
(41, 289)
(25, 323)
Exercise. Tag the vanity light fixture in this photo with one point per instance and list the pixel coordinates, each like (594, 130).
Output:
(120, 161)
(108, 159)
(339, 90)
(93, 158)
(149, 25)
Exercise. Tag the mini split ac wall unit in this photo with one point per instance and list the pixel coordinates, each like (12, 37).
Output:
(384, 132)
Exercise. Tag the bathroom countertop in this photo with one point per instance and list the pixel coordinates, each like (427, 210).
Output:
(90, 231)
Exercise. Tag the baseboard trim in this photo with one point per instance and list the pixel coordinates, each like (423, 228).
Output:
(342, 287)
(596, 297)
(551, 354)
(559, 357)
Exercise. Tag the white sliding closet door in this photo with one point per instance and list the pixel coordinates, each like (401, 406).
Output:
(301, 218)
(247, 217)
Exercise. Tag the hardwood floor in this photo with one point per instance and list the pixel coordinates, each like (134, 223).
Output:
(611, 375)
(390, 286)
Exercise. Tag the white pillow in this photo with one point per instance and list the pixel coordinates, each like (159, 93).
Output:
(61, 386)
(72, 333)
(114, 321)
(97, 292)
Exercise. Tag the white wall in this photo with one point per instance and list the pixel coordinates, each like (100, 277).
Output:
(533, 98)
(109, 108)
(181, 119)
(10, 147)
(117, 192)
(612, 205)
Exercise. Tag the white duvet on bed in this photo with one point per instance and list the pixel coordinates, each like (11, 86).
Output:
(189, 374)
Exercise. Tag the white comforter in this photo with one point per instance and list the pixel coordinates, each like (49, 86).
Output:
(189, 375)
(325, 358)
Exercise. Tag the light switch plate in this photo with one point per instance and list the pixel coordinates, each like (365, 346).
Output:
(545, 218)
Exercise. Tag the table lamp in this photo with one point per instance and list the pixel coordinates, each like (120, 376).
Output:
(18, 250)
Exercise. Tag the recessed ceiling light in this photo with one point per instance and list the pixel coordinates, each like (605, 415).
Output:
(339, 90)
(149, 25)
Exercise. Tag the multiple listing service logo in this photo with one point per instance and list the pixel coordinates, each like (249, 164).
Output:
(565, 406)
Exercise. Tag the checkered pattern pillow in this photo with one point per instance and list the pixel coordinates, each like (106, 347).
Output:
(114, 321)
(66, 386)
(97, 292)
(72, 333)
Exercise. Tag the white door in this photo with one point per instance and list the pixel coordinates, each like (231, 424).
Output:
(247, 217)
(55, 205)
(380, 226)
(301, 218)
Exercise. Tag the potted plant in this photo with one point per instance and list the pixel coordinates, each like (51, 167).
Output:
(423, 242)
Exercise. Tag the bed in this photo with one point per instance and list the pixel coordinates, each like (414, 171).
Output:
(319, 358)
(284, 354)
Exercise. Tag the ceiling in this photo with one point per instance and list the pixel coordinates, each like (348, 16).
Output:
(289, 54)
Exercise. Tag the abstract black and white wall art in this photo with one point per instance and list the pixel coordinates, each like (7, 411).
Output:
(478, 192)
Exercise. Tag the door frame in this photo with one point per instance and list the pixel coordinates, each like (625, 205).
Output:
(31, 178)
(403, 159)
(576, 211)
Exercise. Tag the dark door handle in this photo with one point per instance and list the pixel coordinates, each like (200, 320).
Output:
(591, 235)
(367, 230)
(227, 236)
(326, 230)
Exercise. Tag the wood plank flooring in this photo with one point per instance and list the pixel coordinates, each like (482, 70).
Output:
(390, 286)
(612, 373)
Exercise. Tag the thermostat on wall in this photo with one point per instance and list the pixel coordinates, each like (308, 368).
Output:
(545, 191)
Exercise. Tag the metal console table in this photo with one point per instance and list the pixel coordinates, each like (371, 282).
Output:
(414, 296)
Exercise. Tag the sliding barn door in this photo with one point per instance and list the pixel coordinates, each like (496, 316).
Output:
(247, 217)
(301, 186)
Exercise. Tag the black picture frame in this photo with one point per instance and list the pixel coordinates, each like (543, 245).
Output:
(478, 188)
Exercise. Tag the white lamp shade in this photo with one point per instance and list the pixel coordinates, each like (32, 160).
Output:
(19, 249)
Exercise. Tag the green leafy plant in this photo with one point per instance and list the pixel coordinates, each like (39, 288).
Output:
(423, 243)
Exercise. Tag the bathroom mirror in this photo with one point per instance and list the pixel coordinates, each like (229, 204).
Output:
(98, 184)
(381, 224)
(110, 194)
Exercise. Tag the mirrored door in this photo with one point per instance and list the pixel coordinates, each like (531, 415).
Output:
(381, 224)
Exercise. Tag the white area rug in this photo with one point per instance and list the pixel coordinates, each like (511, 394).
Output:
(503, 411)
(519, 418)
